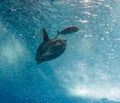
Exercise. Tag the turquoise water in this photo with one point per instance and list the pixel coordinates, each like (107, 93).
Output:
(89, 69)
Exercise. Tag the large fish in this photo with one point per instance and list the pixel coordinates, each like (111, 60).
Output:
(50, 48)
(68, 30)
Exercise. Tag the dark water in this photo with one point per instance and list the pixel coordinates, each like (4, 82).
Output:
(87, 72)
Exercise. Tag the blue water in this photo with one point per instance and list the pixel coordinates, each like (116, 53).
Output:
(89, 69)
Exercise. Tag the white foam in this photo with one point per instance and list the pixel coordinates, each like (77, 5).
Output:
(12, 51)
(97, 91)
(90, 82)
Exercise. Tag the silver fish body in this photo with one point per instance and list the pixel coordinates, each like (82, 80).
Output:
(50, 49)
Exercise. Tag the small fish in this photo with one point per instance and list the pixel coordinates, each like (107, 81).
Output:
(68, 30)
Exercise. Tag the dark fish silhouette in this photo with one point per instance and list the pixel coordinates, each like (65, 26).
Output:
(68, 30)
(50, 48)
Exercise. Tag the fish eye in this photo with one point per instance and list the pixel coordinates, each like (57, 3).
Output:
(60, 41)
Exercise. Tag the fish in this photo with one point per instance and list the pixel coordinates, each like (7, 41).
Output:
(50, 49)
(68, 30)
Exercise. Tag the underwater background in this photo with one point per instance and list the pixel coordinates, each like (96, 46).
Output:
(89, 69)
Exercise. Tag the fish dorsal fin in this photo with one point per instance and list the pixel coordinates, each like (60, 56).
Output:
(45, 35)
